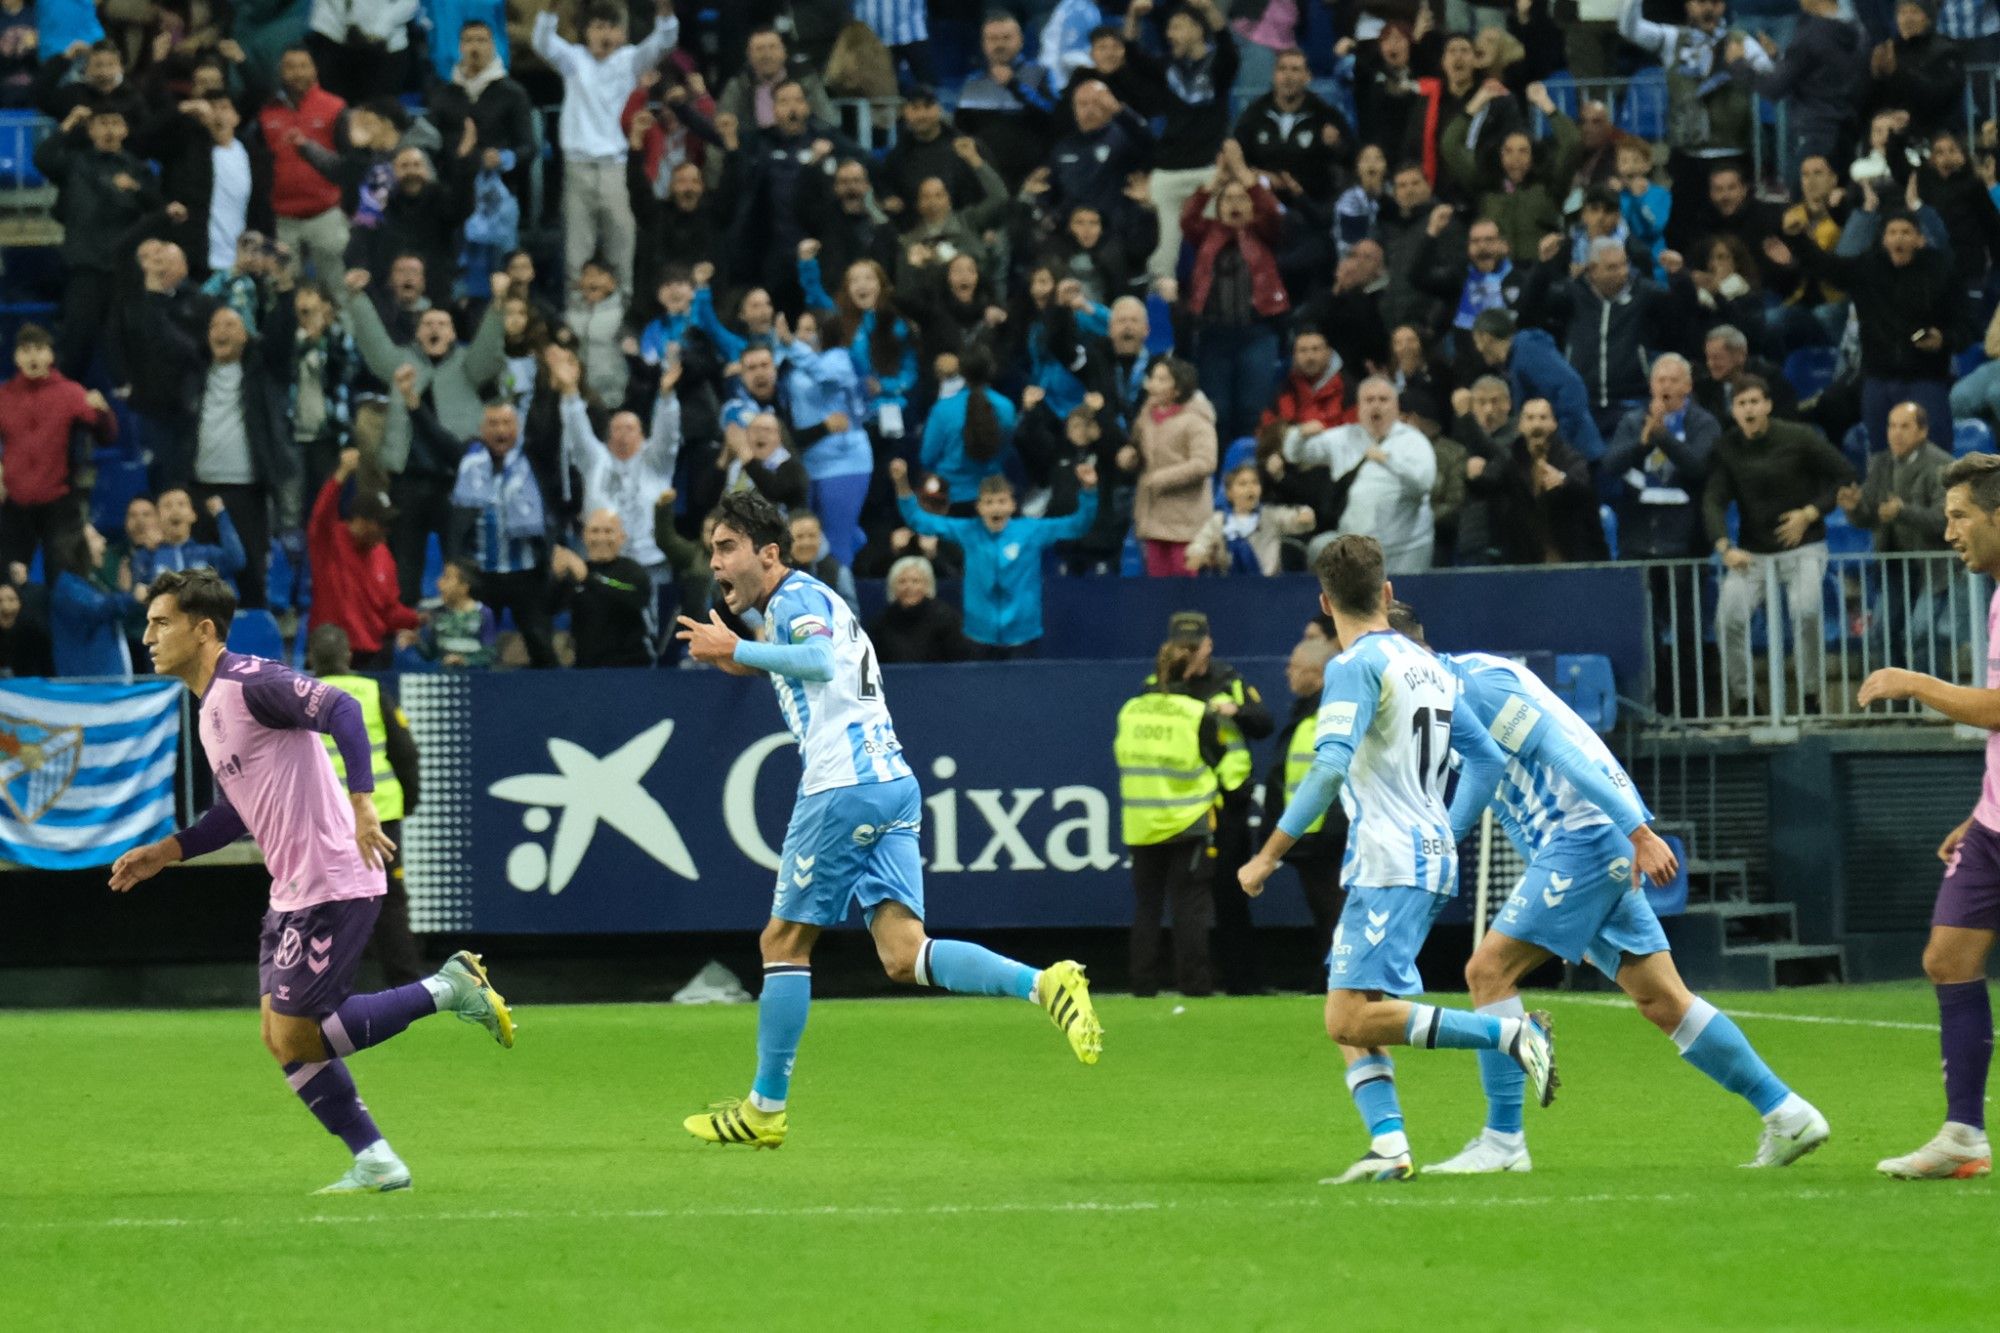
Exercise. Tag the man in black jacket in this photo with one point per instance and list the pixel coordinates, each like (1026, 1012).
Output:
(1918, 71)
(1657, 466)
(499, 109)
(1612, 322)
(101, 192)
(1908, 301)
(213, 170)
(1542, 509)
(606, 594)
(1784, 479)
(1293, 131)
(423, 216)
(1009, 108)
(238, 440)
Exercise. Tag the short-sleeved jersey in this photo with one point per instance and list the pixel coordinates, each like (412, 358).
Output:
(1540, 734)
(1385, 720)
(842, 725)
(260, 725)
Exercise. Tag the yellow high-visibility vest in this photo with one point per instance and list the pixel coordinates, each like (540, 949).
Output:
(388, 790)
(1299, 758)
(1164, 785)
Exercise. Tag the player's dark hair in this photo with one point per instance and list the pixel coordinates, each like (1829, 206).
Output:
(758, 521)
(1981, 474)
(32, 335)
(982, 424)
(1756, 382)
(475, 23)
(201, 594)
(1351, 573)
(995, 483)
(604, 11)
(468, 569)
(1403, 620)
(329, 652)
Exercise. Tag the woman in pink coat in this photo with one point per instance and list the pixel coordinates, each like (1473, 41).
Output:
(1174, 449)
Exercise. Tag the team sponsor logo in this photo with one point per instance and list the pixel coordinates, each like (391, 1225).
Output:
(290, 948)
(1514, 724)
(1620, 869)
(1337, 719)
(866, 835)
(588, 791)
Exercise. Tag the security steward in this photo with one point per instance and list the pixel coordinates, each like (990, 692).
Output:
(1316, 856)
(1241, 717)
(330, 657)
(1167, 748)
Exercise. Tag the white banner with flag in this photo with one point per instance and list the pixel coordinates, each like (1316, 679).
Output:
(86, 770)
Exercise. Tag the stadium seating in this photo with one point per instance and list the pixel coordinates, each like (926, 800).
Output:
(1970, 435)
(1585, 683)
(1810, 369)
(256, 633)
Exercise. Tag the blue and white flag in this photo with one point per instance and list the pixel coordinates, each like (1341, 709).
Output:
(86, 771)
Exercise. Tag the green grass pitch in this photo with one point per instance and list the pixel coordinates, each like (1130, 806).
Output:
(952, 1167)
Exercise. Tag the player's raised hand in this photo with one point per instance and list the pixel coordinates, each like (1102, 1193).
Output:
(142, 863)
(1652, 858)
(376, 849)
(709, 641)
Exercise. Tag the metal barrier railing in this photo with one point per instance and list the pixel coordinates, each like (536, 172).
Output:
(1789, 641)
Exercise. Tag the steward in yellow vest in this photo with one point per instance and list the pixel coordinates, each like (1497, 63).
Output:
(394, 754)
(1167, 749)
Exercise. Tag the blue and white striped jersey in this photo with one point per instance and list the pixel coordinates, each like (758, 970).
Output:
(1560, 774)
(1386, 720)
(842, 725)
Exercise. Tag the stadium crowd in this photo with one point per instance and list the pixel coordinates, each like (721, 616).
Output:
(1169, 290)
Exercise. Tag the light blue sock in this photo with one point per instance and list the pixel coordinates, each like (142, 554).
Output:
(967, 969)
(1501, 1075)
(781, 1021)
(1371, 1081)
(1452, 1029)
(1712, 1043)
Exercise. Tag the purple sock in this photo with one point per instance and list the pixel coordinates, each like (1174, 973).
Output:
(1965, 1035)
(369, 1020)
(327, 1089)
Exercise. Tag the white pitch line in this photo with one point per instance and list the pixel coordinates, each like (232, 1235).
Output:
(1310, 1200)
(1886, 1024)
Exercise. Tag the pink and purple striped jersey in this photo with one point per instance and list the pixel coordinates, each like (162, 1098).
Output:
(260, 725)
(1987, 812)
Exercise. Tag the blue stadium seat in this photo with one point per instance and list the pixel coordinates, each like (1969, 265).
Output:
(256, 633)
(1843, 538)
(1671, 899)
(121, 478)
(1585, 683)
(1132, 558)
(1810, 369)
(1643, 108)
(1608, 517)
(1970, 435)
(18, 136)
(1562, 91)
(1969, 360)
(1855, 445)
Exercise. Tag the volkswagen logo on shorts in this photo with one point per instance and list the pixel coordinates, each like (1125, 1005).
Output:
(290, 946)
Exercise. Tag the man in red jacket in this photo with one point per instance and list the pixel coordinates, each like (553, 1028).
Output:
(354, 576)
(1314, 391)
(39, 408)
(307, 204)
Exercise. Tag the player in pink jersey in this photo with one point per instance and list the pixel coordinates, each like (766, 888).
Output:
(1967, 916)
(260, 725)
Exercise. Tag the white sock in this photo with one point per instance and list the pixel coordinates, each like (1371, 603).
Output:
(378, 1153)
(1393, 1144)
(440, 989)
(1964, 1133)
(1517, 1139)
(1794, 1108)
(766, 1104)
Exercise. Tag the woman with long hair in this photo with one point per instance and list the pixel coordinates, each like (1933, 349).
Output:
(87, 616)
(824, 391)
(1174, 447)
(882, 344)
(969, 435)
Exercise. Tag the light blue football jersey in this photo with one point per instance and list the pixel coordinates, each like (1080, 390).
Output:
(842, 725)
